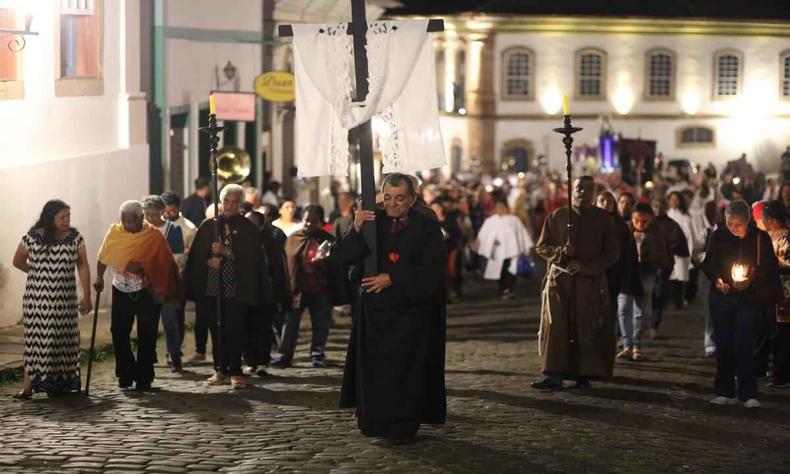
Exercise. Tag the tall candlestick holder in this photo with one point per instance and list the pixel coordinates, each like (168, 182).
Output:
(567, 131)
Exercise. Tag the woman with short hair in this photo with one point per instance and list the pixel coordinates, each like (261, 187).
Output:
(736, 296)
(49, 254)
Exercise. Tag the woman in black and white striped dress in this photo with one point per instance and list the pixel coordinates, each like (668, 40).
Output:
(49, 254)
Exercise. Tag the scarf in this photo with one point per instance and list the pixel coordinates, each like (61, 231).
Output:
(149, 248)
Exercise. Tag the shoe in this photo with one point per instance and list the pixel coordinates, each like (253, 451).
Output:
(752, 403)
(22, 395)
(507, 295)
(280, 363)
(582, 384)
(261, 372)
(198, 357)
(624, 354)
(217, 379)
(721, 400)
(637, 356)
(177, 367)
(319, 363)
(710, 352)
(142, 387)
(168, 360)
(778, 384)
(248, 370)
(546, 384)
(237, 382)
(125, 383)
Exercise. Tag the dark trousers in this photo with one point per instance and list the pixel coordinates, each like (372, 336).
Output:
(692, 285)
(125, 307)
(733, 323)
(764, 327)
(233, 329)
(677, 292)
(260, 336)
(660, 296)
(201, 328)
(781, 350)
(320, 307)
(507, 281)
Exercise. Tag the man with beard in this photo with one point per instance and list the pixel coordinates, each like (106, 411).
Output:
(576, 336)
(394, 374)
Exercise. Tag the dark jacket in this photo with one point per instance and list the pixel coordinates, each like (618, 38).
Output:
(274, 247)
(673, 233)
(253, 284)
(724, 250)
(295, 248)
(193, 207)
(655, 255)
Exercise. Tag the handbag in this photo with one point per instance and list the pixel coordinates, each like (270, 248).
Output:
(525, 267)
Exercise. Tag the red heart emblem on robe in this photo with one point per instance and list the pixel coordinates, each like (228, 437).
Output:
(394, 257)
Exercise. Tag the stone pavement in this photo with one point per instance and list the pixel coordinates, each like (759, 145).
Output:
(653, 417)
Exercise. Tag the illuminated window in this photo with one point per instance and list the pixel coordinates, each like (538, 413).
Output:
(728, 71)
(8, 58)
(696, 136)
(459, 84)
(785, 65)
(518, 73)
(660, 74)
(590, 74)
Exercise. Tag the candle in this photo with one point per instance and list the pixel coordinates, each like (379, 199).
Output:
(566, 106)
(212, 107)
(739, 273)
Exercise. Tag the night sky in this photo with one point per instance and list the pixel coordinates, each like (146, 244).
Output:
(762, 9)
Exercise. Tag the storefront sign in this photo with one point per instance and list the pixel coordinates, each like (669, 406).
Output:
(276, 86)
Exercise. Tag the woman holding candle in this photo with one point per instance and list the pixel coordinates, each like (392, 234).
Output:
(739, 262)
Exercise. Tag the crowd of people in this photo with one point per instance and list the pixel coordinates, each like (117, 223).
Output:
(628, 249)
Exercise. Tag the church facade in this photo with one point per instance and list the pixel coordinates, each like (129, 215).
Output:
(702, 90)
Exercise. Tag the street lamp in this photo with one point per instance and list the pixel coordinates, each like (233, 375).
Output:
(16, 42)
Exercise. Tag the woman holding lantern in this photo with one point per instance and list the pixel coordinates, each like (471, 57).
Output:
(744, 272)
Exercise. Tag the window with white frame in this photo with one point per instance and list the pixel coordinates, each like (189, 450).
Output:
(590, 74)
(660, 74)
(785, 65)
(728, 71)
(519, 73)
(696, 136)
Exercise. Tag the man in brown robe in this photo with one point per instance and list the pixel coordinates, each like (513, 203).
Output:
(576, 337)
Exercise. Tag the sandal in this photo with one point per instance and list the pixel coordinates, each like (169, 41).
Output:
(22, 395)
(637, 356)
(624, 354)
(217, 379)
(238, 383)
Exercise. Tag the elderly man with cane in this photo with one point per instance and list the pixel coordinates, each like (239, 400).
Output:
(144, 275)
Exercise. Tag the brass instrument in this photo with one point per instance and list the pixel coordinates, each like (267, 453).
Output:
(233, 164)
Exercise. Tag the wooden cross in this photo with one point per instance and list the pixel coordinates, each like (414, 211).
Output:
(359, 28)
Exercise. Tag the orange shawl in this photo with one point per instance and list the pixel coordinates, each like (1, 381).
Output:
(149, 248)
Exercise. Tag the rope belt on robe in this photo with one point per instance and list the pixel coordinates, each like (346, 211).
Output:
(551, 282)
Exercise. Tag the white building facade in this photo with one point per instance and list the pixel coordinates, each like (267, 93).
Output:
(73, 122)
(706, 91)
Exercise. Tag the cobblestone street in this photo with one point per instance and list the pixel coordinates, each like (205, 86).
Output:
(654, 415)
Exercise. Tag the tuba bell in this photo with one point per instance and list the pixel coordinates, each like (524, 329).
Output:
(233, 164)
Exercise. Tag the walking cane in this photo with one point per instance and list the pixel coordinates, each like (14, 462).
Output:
(93, 343)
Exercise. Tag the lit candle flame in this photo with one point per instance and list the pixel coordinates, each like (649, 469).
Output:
(739, 273)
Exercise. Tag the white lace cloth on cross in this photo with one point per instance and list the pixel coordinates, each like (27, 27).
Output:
(402, 97)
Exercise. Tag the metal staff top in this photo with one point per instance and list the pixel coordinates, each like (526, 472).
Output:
(568, 130)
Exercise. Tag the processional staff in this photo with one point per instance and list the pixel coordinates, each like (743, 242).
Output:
(567, 131)
(358, 28)
(213, 130)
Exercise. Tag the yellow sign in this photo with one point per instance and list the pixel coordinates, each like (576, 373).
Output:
(276, 86)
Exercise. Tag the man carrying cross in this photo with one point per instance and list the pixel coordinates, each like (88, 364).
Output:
(394, 374)
(395, 368)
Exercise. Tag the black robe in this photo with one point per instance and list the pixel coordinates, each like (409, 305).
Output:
(394, 373)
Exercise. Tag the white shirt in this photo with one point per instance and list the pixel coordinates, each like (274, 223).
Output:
(126, 282)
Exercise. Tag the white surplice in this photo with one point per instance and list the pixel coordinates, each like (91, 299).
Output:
(502, 238)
